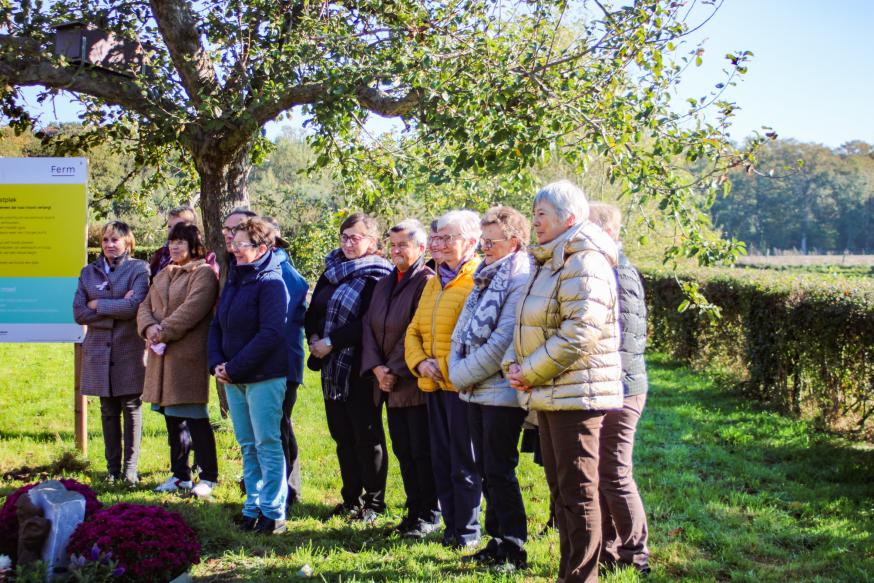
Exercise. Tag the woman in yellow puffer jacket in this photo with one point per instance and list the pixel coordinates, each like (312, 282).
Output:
(426, 349)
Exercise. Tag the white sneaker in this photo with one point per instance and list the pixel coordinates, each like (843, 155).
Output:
(203, 489)
(173, 483)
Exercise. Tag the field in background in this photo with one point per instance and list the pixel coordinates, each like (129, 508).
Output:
(805, 260)
(733, 493)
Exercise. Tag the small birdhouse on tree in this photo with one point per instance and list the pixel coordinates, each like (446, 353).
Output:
(85, 44)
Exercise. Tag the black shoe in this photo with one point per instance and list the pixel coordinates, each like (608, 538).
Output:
(644, 571)
(486, 556)
(419, 529)
(512, 559)
(404, 525)
(270, 526)
(345, 511)
(246, 523)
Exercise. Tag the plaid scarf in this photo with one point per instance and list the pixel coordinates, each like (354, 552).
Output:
(350, 276)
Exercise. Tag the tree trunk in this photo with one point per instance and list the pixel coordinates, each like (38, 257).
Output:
(224, 185)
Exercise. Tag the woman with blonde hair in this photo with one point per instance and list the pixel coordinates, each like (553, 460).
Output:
(110, 291)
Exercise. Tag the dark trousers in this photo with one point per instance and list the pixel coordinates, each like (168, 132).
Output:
(183, 433)
(623, 518)
(459, 487)
(112, 409)
(411, 443)
(356, 427)
(569, 441)
(289, 443)
(495, 432)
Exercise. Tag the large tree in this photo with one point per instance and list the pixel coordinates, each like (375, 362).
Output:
(489, 86)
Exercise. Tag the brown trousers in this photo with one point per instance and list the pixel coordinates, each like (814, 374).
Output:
(623, 517)
(569, 442)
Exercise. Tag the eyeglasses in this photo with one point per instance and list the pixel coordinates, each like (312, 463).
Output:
(489, 243)
(227, 230)
(242, 245)
(354, 239)
(443, 240)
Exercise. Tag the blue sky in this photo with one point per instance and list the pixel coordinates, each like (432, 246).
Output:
(811, 79)
(812, 74)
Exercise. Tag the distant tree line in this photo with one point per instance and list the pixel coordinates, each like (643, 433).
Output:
(803, 197)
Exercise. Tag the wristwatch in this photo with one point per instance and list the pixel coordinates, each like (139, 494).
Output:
(328, 342)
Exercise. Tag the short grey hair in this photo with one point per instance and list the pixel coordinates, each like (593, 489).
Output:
(414, 230)
(241, 210)
(466, 221)
(566, 198)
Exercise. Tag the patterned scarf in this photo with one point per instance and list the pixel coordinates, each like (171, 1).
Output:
(481, 312)
(350, 276)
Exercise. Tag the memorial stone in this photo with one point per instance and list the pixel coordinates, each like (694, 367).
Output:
(65, 509)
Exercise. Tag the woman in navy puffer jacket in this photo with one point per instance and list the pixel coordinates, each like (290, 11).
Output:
(247, 352)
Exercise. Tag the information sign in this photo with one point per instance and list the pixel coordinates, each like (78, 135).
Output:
(43, 207)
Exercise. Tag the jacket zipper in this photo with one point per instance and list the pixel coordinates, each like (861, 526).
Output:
(433, 324)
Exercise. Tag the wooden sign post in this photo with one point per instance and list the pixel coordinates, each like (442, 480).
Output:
(80, 403)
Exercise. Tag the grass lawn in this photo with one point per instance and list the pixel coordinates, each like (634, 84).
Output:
(733, 493)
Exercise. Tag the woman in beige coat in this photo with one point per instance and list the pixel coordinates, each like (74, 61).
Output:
(174, 319)
(565, 363)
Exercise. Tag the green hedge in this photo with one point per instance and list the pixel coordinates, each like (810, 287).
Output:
(802, 343)
(140, 252)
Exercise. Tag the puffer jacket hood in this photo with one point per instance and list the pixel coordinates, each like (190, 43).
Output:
(297, 288)
(566, 336)
(585, 236)
(269, 265)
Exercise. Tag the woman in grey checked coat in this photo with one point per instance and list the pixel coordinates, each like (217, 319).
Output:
(109, 294)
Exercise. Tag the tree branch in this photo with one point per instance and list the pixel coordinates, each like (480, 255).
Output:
(179, 28)
(381, 103)
(24, 62)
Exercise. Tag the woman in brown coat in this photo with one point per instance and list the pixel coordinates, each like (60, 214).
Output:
(109, 292)
(392, 306)
(175, 319)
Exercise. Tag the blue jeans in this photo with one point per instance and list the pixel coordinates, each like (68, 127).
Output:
(256, 409)
(458, 483)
